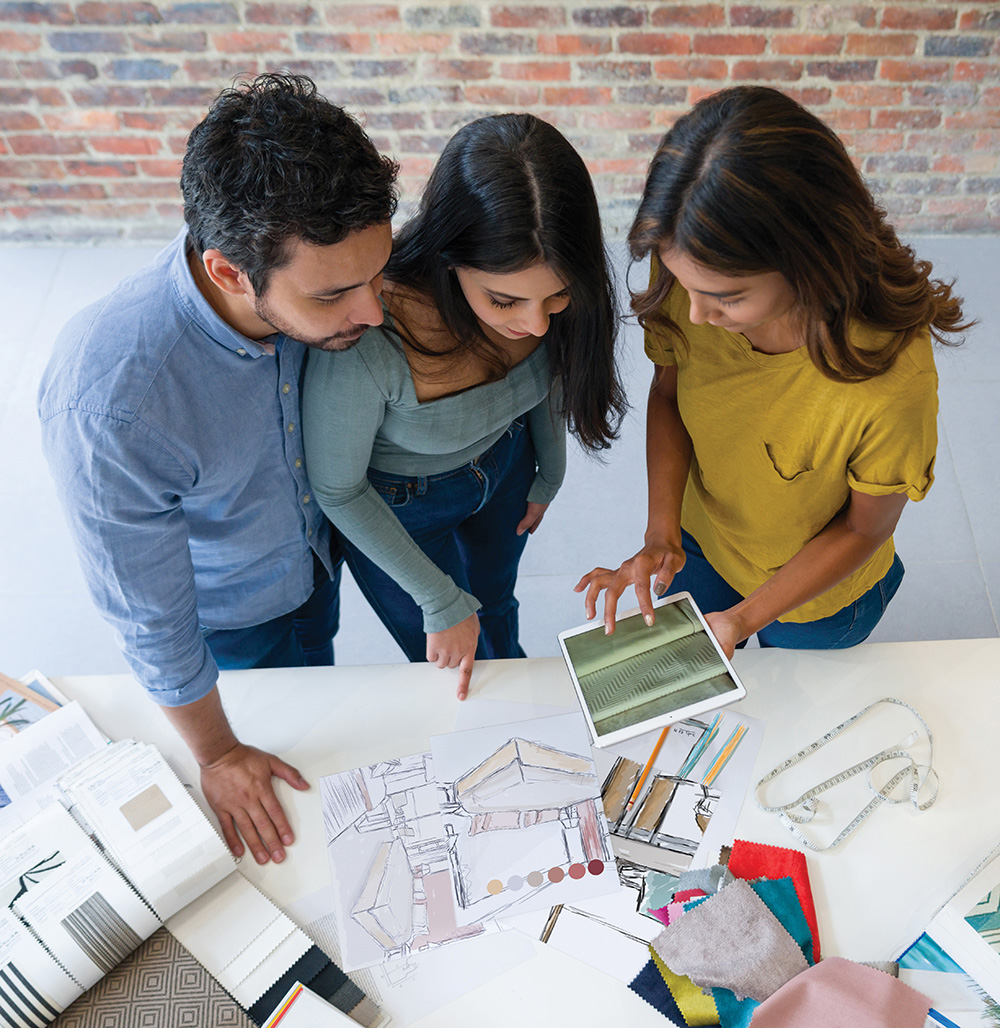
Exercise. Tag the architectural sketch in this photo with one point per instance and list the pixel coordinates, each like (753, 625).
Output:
(389, 858)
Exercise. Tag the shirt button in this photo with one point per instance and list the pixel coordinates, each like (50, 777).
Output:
(298, 462)
(309, 534)
(286, 388)
(291, 426)
(306, 498)
(241, 352)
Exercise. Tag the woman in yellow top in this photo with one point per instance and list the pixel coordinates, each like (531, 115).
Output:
(794, 397)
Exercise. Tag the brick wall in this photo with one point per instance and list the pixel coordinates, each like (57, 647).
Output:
(96, 98)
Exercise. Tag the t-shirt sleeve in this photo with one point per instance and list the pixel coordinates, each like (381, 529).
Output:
(896, 453)
(342, 409)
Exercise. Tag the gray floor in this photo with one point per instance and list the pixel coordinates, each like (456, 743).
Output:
(950, 542)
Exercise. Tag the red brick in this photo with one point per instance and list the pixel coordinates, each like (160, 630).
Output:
(619, 16)
(950, 163)
(117, 14)
(44, 143)
(214, 69)
(403, 42)
(131, 145)
(806, 44)
(442, 69)
(988, 19)
(808, 96)
(527, 17)
(564, 44)
(988, 119)
(618, 166)
(720, 43)
(18, 121)
(839, 15)
(872, 141)
(119, 210)
(698, 15)
(421, 143)
(109, 96)
(48, 96)
(956, 205)
(536, 71)
(990, 97)
(37, 13)
(881, 45)
(654, 43)
(939, 142)
(43, 210)
(989, 141)
(487, 43)
(907, 119)
(843, 71)
(770, 71)
(644, 142)
(31, 170)
(501, 96)
(170, 211)
(694, 94)
(281, 14)
(846, 119)
(975, 71)
(145, 190)
(617, 120)
(75, 191)
(593, 95)
(871, 96)
(161, 169)
(142, 120)
(762, 17)
(366, 16)
(914, 71)
(251, 42)
(918, 18)
(182, 96)
(652, 95)
(73, 121)
(19, 42)
(950, 94)
(101, 169)
(178, 145)
(691, 68)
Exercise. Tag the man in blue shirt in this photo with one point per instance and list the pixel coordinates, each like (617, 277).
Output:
(170, 420)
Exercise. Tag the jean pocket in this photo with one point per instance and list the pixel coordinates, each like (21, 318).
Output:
(396, 493)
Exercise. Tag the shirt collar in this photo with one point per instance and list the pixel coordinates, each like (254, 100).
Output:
(201, 311)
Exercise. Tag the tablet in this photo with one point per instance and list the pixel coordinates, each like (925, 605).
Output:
(641, 678)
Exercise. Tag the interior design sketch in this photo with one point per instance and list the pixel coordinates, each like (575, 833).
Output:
(389, 857)
(525, 810)
(665, 825)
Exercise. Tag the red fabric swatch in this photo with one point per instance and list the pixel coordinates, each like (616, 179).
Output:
(752, 860)
(688, 894)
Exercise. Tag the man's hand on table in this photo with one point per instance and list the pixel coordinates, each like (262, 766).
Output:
(238, 788)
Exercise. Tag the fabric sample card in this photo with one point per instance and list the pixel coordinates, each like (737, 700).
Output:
(838, 993)
(695, 1006)
(731, 941)
(160, 984)
(709, 879)
(750, 860)
(649, 985)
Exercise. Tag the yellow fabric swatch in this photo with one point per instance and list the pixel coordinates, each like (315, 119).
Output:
(697, 1008)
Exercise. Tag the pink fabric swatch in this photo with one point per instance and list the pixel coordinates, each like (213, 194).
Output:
(662, 914)
(837, 993)
(752, 860)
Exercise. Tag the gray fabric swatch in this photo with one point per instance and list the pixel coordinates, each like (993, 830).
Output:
(732, 941)
(708, 879)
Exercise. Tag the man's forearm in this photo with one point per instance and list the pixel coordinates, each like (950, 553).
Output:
(203, 725)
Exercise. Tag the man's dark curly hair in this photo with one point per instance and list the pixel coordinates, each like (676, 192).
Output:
(274, 161)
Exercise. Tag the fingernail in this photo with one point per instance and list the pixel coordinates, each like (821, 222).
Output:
(261, 858)
(660, 588)
(607, 628)
(648, 618)
(277, 856)
(288, 839)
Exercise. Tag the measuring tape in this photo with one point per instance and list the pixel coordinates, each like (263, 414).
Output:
(802, 810)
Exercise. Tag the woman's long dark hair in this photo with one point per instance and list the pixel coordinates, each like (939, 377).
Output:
(749, 181)
(507, 192)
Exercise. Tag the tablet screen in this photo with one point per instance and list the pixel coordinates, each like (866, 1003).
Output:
(641, 674)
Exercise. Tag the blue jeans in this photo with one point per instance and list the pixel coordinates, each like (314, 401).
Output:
(301, 638)
(465, 521)
(848, 627)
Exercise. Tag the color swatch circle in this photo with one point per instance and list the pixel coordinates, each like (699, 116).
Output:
(515, 882)
(595, 867)
(577, 871)
(535, 878)
(494, 887)
(556, 875)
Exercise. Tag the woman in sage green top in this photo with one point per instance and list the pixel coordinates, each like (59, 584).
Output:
(436, 443)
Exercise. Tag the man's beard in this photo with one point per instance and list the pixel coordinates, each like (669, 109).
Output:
(338, 341)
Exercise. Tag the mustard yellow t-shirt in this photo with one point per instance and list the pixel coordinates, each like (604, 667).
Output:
(778, 447)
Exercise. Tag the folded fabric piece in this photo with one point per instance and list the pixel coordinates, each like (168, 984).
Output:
(696, 1008)
(661, 914)
(709, 879)
(751, 860)
(658, 891)
(684, 895)
(733, 1012)
(649, 985)
(731, 941)
(838, 993)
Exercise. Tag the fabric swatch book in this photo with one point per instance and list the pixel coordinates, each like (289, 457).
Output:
(98, 859)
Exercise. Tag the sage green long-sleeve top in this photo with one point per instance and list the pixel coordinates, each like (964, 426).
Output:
(360, 410)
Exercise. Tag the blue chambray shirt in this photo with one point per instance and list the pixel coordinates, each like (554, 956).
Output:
(175, 445)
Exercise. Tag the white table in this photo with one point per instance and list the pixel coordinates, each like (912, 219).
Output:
(873, 895)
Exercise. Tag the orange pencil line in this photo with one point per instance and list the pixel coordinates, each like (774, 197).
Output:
(647, 768)
(724, 755)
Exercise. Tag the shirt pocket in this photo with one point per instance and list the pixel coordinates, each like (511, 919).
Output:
(791, 463)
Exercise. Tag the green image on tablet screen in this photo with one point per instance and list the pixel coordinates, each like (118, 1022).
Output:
(640, 673)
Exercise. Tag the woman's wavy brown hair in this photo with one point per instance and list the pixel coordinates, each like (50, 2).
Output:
(749, 181)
